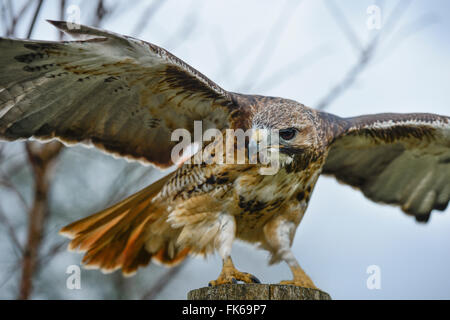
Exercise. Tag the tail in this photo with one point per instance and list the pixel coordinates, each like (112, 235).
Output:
(116, 237)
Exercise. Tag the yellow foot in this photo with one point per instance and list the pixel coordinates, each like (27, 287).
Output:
(233, 277)
(300, 283)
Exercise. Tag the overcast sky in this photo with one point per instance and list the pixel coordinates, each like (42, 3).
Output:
(342, 233)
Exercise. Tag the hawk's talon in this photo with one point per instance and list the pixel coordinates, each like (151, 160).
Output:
(222, 280)
(233, 278)
(231, 275)
(253, 278)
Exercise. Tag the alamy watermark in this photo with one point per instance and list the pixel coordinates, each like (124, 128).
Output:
(373, 282)
(73, 281)
(233, 146)
(374, 20)
(73, 17)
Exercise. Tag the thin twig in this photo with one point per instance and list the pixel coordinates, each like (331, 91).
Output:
(62, 11)
(11, 232)
(42, 159)
(51, 253)
(15, 19)
(35, 16)
(119, 189)
(13, 170)
(10, 186)
(100, 13)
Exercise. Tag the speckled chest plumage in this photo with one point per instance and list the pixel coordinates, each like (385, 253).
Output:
(261, 198)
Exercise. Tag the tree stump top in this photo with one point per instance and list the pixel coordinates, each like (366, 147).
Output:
(257, 292)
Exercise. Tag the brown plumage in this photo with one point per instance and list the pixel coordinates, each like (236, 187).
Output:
(127, 96)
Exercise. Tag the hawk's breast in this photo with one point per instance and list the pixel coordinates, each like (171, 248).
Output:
(259, 198)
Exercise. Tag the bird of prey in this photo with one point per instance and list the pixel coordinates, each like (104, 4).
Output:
(126, 96)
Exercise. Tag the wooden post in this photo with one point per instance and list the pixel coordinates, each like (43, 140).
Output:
(257, 292)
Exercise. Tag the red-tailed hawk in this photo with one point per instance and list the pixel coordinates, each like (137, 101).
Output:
(127, 96)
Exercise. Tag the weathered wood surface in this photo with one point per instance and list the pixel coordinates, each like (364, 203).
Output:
(257, 292)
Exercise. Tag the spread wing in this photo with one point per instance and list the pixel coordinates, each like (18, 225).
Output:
(399, 159)
(118, 93)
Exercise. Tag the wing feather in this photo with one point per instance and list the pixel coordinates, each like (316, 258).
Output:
(398, 159)
(123, 95)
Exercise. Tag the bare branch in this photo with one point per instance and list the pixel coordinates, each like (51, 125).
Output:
(7, 184)
(13, 170)
(118, 189)
(11, 232)
(35, 16)
(42, 159)
(62, 9)
(101, 13)
(9, 274)
(51, 253)
(15, 19)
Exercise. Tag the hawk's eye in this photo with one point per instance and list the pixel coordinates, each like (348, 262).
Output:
(288, 134)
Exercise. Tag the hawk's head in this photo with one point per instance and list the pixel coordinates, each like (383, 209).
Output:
(295, 125)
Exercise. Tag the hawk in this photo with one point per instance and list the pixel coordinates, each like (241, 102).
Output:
(126, 96)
